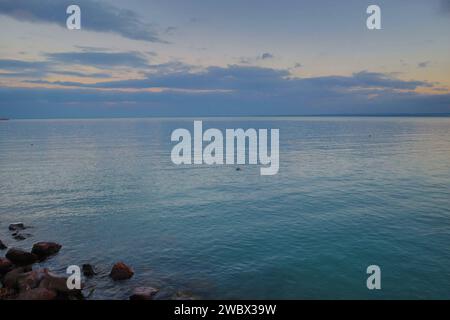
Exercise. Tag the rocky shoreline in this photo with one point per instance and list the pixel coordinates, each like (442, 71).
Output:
(20, 280)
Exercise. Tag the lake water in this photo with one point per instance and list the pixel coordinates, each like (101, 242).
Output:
(351, 192)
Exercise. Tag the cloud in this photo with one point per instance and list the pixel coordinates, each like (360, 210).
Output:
(67, 64)
(12, 64)
(368, 80)
(81, 74)
(253, 60)
(175, 88)
(245, 60)
(423, 64)
(267, 55)
(232, 90)
(99, 59)
(90, 48)
(95, 16)
(185, 77)
(42, 102)
(170, 30)
(12, 68)
(256, 79)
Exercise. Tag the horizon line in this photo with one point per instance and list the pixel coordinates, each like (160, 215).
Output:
(435, 115)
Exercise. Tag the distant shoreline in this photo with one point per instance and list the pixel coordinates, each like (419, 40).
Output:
(412, 115)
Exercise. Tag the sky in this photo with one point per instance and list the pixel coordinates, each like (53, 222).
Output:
(237, 57)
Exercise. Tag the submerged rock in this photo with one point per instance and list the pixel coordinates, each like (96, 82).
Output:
(45, 249)
(88, 270)
(21, 236)
(20, 257)
(144, 293)
(37, 294)
(5, 266)
(181, 295)
(2, 245)
(18, 236)
(16, 226)
(120, 271)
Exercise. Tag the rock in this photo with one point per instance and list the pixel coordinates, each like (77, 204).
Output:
(11, 278)
(88, 270)
(120, 271)
(54, 282)
(37, 294)
(26, 282)
(18, 236)
(45, 249)
(238, 169)
(59, 284)
(6, 293)
(21, 236)
(144, 293)
(16, 226)
(5, 266)
(30, 280)
(2, 245)
(20, 257)
(181, 295)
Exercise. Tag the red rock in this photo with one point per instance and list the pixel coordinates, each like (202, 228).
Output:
(120, 271)
(20, 257)
(6, 293)
(22, 279)
(30, 280)
(11, 278)
(144, 293)
(5, 265)
(45, 249)
(58, 284)
(37, 294)
(54, 282)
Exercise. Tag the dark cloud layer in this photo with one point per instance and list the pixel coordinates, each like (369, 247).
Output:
(232, 90)
(44, 103)
(95, 15)
(21, 65)
(258, 79)
(61, 63)
(11, 68)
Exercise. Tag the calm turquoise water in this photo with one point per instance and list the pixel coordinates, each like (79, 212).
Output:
(351, 192)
